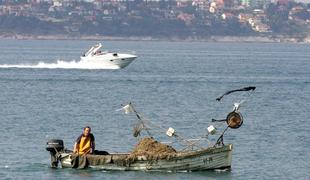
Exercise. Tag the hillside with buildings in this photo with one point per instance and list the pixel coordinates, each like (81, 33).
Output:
(181, 19)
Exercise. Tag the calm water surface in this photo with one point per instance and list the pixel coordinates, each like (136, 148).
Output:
(172, 83)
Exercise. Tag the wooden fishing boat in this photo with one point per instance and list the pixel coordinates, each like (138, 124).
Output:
(157, 156)
(206, 159)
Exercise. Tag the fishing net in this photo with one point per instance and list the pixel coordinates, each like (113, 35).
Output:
(152, 149)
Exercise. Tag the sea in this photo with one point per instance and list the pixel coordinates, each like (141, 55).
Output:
(47, 93)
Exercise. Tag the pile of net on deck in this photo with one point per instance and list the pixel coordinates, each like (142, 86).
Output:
(151, 150)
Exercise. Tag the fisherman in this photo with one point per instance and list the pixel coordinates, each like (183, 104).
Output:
(85, 143)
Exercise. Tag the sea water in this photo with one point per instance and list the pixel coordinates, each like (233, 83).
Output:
(46, 93)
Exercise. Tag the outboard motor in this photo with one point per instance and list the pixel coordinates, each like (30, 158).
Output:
(54, 146)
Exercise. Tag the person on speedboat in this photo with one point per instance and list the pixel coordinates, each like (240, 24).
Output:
(85, 143)
(98, 53)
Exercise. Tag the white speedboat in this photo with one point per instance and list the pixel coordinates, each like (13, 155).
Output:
(107, 59)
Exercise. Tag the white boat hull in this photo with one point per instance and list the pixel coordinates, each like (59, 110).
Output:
(109, 60)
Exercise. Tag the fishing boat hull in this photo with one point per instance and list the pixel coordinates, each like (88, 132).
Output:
(206, 159)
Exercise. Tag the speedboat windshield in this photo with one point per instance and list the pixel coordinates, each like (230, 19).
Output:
(93, 49)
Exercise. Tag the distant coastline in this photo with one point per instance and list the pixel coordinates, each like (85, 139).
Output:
(245, 39)
(199, 21)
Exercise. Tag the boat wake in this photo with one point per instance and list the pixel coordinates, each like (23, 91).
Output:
(61, 65)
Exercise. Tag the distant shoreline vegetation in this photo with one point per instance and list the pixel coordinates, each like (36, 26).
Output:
(244, 39)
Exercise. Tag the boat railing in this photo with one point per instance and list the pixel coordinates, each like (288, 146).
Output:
(124, 51)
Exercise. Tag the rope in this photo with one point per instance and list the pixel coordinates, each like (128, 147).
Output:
(181, 140)
(145, 124)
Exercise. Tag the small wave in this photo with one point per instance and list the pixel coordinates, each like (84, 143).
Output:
(61, 65)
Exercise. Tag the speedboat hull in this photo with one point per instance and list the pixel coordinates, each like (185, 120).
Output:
(109, 60)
